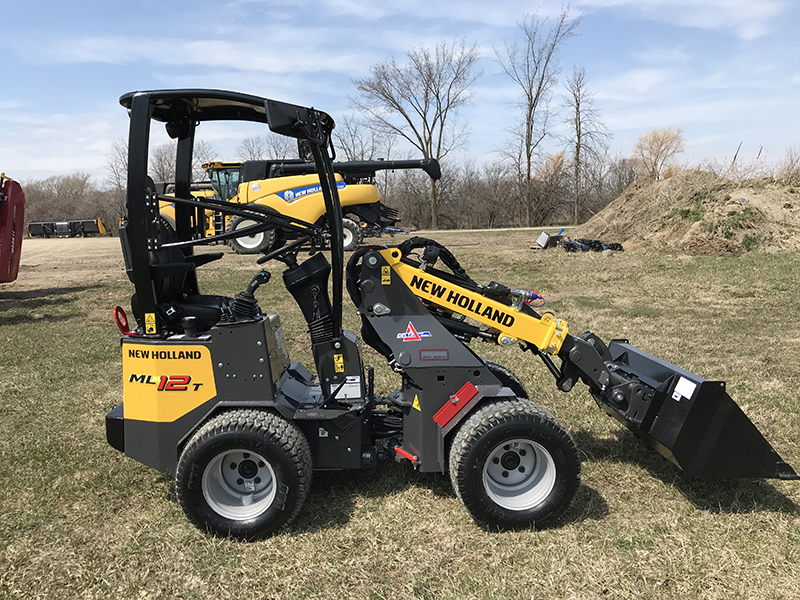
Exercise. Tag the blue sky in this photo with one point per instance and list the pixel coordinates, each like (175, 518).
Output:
(726, 71)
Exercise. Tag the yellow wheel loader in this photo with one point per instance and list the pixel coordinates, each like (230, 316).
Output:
(212, 398)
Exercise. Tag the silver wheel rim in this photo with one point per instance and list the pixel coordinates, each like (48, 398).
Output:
(347, 237)
(519, 474)
(239, 485)
(249, 242)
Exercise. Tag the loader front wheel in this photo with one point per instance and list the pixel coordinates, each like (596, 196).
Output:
(351, 234)
(244, 474)
(513, 465)
(506, 378)
(250, 244)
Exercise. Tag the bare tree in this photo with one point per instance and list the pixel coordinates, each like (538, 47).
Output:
(622, 172)
(269, 147)
(63, 197)
(162, 161)
(534, 68)
(203, 152)
(482, 195)
(117, 165)
(788, 170)
(419, 100)
(654, 150)
(117, 180)
(358, 141)
(252, 148)
(408, 194)
(549, 188)
(587, 135)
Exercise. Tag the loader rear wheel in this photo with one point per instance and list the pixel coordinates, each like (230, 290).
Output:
(351, 234)
(513, 465)
(244, 474)
(250, 244)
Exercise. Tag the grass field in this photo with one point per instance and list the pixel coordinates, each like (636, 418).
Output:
(80, 520)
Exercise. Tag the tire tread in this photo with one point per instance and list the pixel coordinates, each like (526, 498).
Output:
(497, 413)
(282, 433)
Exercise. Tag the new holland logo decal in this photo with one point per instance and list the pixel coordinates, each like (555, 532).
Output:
(412, 335)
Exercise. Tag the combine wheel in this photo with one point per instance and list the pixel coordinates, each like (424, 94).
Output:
(250, 244)
(514, 465)
(244, 474)
(351, 234)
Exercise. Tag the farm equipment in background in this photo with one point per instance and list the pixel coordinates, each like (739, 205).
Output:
(12, 218)
(74, 228)
(212, 397)
(291, 187)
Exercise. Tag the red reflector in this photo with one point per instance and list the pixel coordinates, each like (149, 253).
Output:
(407, 455)
(457, 401)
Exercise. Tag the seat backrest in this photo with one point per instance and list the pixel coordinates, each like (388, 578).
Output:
(169, 267)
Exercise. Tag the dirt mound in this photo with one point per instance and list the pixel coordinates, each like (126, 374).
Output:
(701, 213)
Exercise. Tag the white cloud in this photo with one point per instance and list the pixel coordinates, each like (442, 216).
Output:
(664, 55)
(634, 85)
(748, 19)
(38, 145)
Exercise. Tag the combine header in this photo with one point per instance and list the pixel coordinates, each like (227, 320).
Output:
(76, 228)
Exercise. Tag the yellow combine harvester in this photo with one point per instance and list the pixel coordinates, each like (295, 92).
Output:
(291, 187)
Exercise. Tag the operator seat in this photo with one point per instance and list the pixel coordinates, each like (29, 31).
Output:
(175, 283)
(176, 291)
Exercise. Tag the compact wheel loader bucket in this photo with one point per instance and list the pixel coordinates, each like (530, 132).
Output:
(693, 422)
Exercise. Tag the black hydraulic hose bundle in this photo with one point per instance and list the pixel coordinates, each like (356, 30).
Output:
(447, 257)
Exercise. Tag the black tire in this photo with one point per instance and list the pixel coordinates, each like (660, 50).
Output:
(506, 378)
(244, 474)
(513, 465)
(250, 244)
(351, 234)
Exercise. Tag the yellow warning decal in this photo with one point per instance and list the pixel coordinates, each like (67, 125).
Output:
(338, 363)
(150, 322)
(386, 275)
(416, 403)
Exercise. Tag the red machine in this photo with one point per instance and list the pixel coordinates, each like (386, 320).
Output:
(12, 216)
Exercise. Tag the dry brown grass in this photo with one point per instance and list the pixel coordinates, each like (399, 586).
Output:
(79, 520)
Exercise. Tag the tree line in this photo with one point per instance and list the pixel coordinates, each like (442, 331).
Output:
(554, 165)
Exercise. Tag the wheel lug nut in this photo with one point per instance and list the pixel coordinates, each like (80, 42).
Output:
(257, 480)
(522, 452)
(496, 460)
(245, 455)
(505, 473)
(233, 466)
(261, 464)
(240, 481)
(507, 447)
(521, 469)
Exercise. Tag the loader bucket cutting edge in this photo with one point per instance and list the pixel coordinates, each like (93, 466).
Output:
(693, 422)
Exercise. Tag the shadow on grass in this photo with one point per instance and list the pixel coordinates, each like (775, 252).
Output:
(724, 495)
(332, 500)
(29, 300)
(588, 505)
